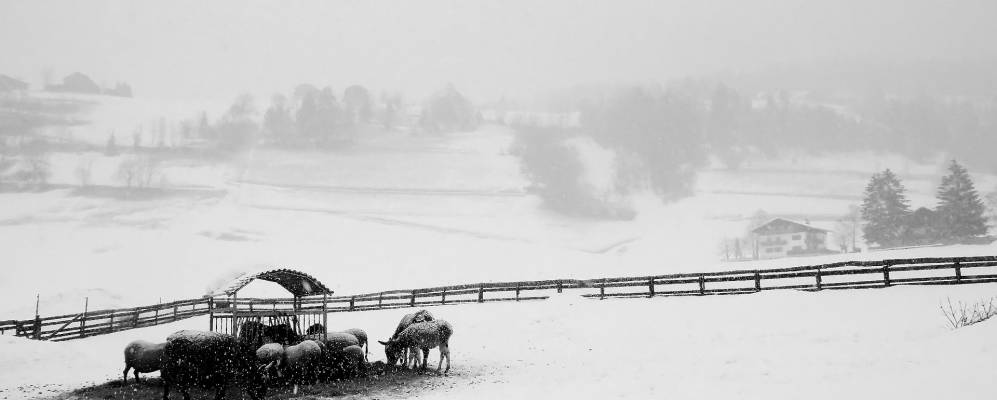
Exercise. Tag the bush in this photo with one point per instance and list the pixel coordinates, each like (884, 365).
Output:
(961, 314)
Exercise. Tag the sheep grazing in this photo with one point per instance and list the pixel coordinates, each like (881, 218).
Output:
(314, 329)
(422, 336)
(350, 362)
(333, 344)
(144, 357)
(419, 316)
(301, 362)
(270, 353)
(361, 338)
(252, 333)
(281, 333)
(214, 359)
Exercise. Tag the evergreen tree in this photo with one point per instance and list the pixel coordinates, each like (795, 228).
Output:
(960, 210)
(111, 149)
(277, 122)
(885, 208)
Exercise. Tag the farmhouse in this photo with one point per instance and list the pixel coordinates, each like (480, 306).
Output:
(781, 237)
(8, 84)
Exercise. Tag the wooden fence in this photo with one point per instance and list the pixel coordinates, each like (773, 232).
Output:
(835, 276)
(100, 322)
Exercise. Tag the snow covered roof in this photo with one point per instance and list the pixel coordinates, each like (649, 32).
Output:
(296, 282)
(8, 83)
(783, 225)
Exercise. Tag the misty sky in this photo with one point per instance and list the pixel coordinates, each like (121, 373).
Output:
(218, 48)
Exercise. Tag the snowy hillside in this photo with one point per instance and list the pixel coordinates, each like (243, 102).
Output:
(772, 345)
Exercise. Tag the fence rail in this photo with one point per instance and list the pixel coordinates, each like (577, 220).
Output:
(834, 276)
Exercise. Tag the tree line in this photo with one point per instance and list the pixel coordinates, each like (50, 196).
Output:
(960, 214)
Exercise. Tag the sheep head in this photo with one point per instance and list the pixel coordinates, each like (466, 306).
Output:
(392, 350)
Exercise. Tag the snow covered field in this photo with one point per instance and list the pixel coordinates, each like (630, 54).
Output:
(889, 343)
(400, 211)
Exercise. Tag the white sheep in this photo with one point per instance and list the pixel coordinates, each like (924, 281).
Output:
(144, 357)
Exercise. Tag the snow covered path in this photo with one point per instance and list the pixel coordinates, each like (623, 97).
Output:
(890, 343)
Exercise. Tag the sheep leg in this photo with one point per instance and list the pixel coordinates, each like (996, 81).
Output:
(136, 376)
(124, 380)
(166, 390)
(445, 351)
(440, 365)
(425, 357)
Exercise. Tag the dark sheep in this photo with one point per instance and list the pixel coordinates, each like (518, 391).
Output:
(208, 358)
(333, 345)
(315, 328)
(251, 333)
(144, 357)
(281, 333)
(349, 362)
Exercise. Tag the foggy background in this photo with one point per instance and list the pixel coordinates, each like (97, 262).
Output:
(153, 151)
(190, 49)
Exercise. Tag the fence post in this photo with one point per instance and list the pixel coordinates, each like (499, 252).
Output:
(517, 292)
(135, 316)
(235, 313)
(758, 281)
(702, 285)
(353, 300)
(83, 319)
(443, 297)
(481, 294)
(650, 287)
(412, 302)
(602, 290)
(174, 312)
(958, 272)
(38, 321)
(110, 324)
(819, 285)
(158, 306)
(211, 314)
(560, 286)
(380, 299)
(325, 316)
(886, 274)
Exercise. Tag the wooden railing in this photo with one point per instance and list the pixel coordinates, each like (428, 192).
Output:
(834, 276)
(99, 322)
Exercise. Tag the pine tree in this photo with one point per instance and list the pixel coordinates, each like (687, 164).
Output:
(885, 208)
(960, 210)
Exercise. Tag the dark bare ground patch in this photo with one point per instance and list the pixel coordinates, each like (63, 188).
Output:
(393, 383)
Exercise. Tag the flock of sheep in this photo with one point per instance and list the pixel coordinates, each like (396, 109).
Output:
(263, 356)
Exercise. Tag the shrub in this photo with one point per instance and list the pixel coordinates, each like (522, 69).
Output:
(962, 314)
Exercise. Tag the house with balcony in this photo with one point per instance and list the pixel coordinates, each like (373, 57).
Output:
(781, 237)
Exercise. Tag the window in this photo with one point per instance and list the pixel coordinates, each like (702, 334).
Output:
(796, 237)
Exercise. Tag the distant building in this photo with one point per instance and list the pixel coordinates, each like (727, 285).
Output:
(781, 237)
(9, 84)
(76, 83)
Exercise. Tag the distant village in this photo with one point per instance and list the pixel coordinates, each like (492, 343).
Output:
(883, 221)
(73, 83)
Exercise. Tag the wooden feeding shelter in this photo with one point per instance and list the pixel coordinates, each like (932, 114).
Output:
(228, 312)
